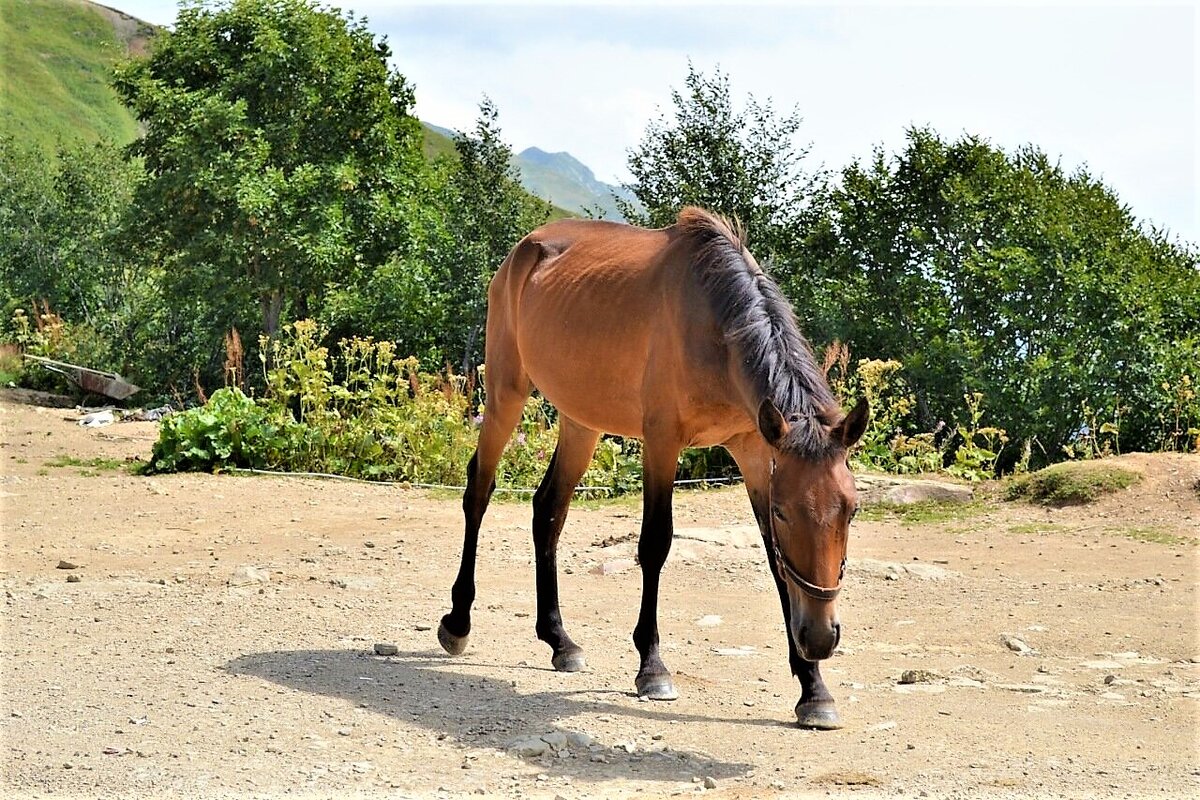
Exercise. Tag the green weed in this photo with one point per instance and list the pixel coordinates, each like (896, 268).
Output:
(1155, 535)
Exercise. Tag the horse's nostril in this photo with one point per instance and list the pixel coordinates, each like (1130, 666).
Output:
(837, 633)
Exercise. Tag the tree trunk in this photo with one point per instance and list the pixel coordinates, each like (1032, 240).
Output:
(271, 303)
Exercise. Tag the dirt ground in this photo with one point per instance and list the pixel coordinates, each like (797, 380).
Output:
(162, 666)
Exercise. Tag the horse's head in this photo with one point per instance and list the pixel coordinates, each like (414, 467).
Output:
(810, 502)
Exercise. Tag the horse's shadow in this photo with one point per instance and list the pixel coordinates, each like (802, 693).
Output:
(422, 688)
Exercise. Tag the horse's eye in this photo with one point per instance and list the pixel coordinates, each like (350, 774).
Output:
(853, 512)
(778, 514)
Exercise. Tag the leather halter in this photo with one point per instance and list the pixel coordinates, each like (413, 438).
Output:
(785, 569)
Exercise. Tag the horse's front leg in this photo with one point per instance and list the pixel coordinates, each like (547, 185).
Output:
(658, 476)
(816, 707)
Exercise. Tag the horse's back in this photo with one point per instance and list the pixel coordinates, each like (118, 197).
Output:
(577, 301)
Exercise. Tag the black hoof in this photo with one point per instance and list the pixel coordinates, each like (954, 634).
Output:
(818, 715)
(569, 661)
(656, 687)
(452, 644)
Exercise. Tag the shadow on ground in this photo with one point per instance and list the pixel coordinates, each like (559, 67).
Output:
(424, 688)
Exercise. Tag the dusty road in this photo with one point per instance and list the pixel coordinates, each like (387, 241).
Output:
(162, 666)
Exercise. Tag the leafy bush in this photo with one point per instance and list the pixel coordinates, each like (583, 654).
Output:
(966, 450)
(1071, 483)
(364, 412)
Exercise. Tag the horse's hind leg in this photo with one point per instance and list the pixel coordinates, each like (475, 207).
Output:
(505, 401)
(550, 505)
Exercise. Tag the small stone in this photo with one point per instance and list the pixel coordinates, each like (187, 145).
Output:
(709, 782)
(386, 649)
(598, 758)
(246, 575)
(919, 676)
(73, 579)
(1109, 679)
(1015, 644)
(67, 565)
(422, 627)
(628, 747)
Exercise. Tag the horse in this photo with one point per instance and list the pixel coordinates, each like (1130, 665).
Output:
(678, 337)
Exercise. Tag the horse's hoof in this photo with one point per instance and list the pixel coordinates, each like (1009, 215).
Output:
(818, 715)
(452, 644)
(656, 687)
(569, 661)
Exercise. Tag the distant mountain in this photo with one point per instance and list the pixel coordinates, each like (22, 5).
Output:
(567, 182)
(559, 178)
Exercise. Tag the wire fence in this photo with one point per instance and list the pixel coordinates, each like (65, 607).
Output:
(450, 487)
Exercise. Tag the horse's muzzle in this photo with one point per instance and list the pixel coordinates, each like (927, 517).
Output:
(816, 639)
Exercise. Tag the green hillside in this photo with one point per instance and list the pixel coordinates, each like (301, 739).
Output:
(55, 61)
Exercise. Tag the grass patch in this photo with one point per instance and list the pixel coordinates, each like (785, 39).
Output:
(1071, 483)
(1035, 528)
(92, 467)
(1155, 535)
(924, 513)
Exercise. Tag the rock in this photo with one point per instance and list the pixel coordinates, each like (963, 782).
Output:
(529, 747)
(73, 578)
(628, 747)
(927, 491)
(919, 676)
(63, 564)
(1109, 680)
(386, 649)
(742, 537)
(1015, 644)
(556, 739)
(246, 575)
(613, 567)
(578, 739)
(893, 570)
(709, 782)
(709, 621)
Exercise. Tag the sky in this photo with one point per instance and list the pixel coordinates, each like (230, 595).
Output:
(1109, 87)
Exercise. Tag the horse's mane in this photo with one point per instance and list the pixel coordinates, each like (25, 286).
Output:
(760, 327)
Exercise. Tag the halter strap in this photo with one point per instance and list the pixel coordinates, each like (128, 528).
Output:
(785, 569)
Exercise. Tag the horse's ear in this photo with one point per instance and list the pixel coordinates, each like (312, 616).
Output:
(853, 425)
(771, 423)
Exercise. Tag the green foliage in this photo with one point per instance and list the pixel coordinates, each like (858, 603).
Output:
(1071, 483)
(487, 213)
(47, 335)
(892, 441)
(740, 163)
(277, 143)
(364, 412)
(995, 273)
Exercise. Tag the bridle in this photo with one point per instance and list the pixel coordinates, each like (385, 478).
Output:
(786, 570)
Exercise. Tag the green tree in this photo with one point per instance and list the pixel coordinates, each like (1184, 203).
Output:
(278, 144)
(993, 272)
(741, 163)
(487, 213)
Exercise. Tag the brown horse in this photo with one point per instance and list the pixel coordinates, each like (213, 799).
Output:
(675, 336)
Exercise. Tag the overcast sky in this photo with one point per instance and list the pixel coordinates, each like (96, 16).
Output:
(1113, 87)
